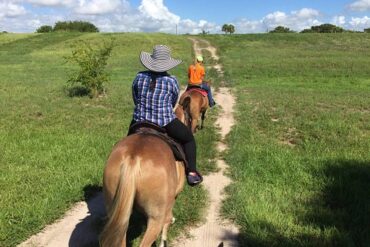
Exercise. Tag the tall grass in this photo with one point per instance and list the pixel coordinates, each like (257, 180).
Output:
(53, 147)
(299, 153)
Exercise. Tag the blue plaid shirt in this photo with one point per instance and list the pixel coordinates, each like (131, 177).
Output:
(155, 105)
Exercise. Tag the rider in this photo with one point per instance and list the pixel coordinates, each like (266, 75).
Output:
(155, 94)
(196, 73)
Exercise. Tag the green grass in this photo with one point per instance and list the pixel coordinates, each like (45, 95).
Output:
(299, 153)
(53, 147)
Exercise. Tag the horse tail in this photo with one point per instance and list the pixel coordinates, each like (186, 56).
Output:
(119, 213)
(186, 106)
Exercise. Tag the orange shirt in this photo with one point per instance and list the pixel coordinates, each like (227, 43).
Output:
(196, 74)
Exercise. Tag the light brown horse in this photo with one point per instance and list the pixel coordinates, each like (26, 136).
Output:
(195, 106)
(141, 172)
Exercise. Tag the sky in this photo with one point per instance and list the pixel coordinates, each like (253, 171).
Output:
(180, 16)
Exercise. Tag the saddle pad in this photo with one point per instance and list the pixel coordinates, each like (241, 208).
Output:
(202, 91)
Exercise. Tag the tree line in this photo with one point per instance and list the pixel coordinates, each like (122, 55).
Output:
(69, 26)
(323, 28)
(83, 26)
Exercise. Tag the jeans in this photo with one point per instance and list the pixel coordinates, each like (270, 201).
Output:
(206, 87)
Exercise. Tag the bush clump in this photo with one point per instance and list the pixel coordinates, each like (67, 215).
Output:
(69, 26)
(92, 76)
(45, 29)
(78, 26)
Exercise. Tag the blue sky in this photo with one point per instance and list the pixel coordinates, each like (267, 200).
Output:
(190, 16)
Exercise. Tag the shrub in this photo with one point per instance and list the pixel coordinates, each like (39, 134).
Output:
(324, 28)
(78, 26)
(367, 30)
(44, 29)
(281, 29)
(92, 62)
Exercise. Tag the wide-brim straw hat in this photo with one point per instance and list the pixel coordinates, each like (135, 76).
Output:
(160, 60)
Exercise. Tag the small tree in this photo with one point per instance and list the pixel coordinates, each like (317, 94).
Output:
(231, 29)
(228, 28)
(92, 75)
(225, 28)
(44, 29)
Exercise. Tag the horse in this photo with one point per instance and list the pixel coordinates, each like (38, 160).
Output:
(195, 105)
(141, 172)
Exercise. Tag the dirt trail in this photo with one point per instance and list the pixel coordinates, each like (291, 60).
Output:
(80, 225)
(215, 230)
(78, 228)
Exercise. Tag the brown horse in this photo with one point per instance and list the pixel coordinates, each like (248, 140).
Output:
(195, 105)
(141, 172)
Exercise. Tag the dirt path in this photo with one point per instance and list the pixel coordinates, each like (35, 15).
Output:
(78, 228)
(80, 225)
(215, 231)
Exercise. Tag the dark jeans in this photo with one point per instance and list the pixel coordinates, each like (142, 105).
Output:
(178, 131)
(206, 87)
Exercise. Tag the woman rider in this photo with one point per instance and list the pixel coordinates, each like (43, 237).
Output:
(155, 94)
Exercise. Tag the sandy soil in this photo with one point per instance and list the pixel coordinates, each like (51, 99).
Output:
(80, 226)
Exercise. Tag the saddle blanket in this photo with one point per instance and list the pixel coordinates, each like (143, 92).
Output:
(202, 91)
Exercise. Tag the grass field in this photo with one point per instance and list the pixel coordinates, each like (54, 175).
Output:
(53, 147)
(300, 152)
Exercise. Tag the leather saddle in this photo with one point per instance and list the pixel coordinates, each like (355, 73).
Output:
(148, 128)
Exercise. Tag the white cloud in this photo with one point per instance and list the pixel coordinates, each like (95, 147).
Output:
(339, 20)
(359, 24)
(192, 27)
(52, 2)
(306, 13)
(97, 7)
(296, 20)
(247, 26)
(158, 11)
(9, 9)
(361, 5)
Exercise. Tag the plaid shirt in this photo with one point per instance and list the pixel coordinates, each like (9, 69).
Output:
(155, 105)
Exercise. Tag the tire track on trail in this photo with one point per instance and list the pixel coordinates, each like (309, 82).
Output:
(216, 230)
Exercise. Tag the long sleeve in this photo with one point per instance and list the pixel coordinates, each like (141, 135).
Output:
(134, 91)
(175, 93)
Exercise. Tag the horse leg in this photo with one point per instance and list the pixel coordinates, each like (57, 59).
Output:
(168, 221)
(203, 117)
(194, 124)
(154, 228)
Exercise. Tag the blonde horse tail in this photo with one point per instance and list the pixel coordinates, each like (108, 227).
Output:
(119, 213)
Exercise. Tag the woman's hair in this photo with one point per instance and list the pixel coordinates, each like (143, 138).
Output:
(154, 76)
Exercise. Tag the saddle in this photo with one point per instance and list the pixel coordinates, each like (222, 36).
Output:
(148, 128)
